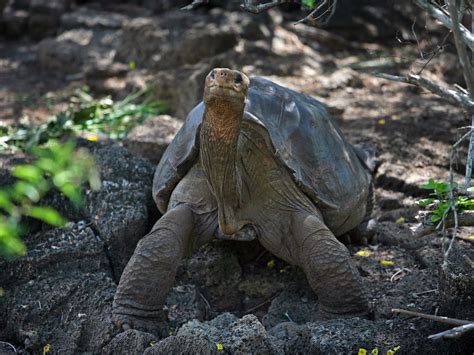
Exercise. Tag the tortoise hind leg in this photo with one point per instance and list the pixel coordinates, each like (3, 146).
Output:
(329, 268)
(150, 273)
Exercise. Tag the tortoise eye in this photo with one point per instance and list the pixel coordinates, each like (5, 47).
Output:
(238, 79)
(213, 75)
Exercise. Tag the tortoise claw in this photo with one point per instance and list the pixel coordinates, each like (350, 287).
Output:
(154, 326)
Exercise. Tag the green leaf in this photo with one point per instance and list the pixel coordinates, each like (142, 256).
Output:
(10, 243)
(425, 202)
(308, 3)
(22, 189)
(435, 218)
(72, 192)
(470, 189)
(441, 187)
(28, 173)
(46, 214)
(430, 185)
(5, 201)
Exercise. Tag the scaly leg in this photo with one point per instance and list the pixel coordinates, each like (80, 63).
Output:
(151, 271)
(329, 268)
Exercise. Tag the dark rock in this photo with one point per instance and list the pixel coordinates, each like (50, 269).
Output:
(163, 45)
(297, 305)
(50, 7)
(184, 303)
(164, 5)
(236, 336)
(35, 18)
(73, 49)
(14, 23)
(217, 270)
(130, 342)
(105, 69)
(123, 209)
(59, 294)
(42, 25)
(456, 284)
(342, 336)
(150, 139)
(55, 249)
(92, 19)
(429, 256)
(183, 345)
(181, 88)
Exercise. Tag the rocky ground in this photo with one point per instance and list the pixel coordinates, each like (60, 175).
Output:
(229, 297)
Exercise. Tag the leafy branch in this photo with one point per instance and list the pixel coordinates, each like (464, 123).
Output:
(85, 114)
(56, 166)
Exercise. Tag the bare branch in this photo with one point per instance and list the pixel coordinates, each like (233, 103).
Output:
(436, 12)
(440, 319)
(453, 333)
(195, 4)
(310, 19)
(453, 96)
(462, 53)
(249, 6)
(438, 49)
(465, 219)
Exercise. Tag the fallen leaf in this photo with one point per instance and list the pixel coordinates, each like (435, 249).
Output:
(46, 349)
(92, 138)
(362, 351)
(364, 253)
(381, 121)
(271, 264)
(401, 220)
(219, 346)
(386, 262)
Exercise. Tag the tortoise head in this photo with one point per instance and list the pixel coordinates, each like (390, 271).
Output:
(227, 85)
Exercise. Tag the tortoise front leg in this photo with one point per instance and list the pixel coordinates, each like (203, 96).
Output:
(151, 271)
(329, 268)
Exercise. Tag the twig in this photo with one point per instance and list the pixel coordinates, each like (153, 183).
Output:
(468, 261)
(453, 96)
(425, 292)
(452, 202)
(206, 302)
(195, 4)
(439, 47)
(453, 333)
(6, 343)
(260, 305)
(436, 12)
(311, 20)
(249, 6)
(440, 319)
(404, 269)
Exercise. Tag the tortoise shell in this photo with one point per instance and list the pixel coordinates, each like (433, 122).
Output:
(304, 138)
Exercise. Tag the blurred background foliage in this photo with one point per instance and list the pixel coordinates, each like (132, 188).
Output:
(58, 164)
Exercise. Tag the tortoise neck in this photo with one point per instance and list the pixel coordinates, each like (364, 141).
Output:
(218, 144)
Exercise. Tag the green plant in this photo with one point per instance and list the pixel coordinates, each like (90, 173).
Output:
(56, 166)
(85, 114)
(440, 200)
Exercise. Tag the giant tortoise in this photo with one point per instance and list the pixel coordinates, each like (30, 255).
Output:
(254, 158)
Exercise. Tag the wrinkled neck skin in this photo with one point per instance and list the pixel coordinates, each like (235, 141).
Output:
(218, 144)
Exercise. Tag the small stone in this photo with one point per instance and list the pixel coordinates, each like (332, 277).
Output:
(150, 139)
